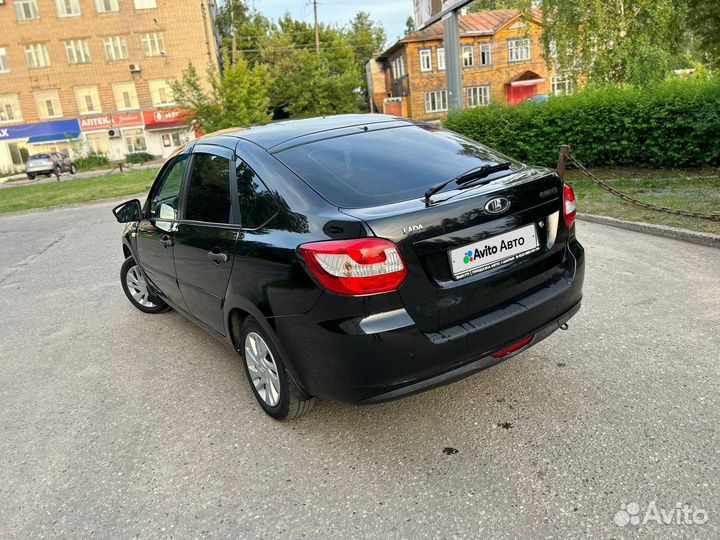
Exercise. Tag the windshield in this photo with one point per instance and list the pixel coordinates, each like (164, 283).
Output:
(386, 166)
(40, 156)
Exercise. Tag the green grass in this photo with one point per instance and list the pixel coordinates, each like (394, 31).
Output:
(695, 190)
(13, 199)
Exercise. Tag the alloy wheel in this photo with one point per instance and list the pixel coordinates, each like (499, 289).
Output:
(262, 368)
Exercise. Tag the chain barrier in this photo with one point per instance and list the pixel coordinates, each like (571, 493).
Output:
(636, 202)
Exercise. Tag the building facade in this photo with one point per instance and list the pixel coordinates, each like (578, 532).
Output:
(94, 75)
(502, 61)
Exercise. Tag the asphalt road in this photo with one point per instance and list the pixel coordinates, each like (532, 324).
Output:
(117, 424)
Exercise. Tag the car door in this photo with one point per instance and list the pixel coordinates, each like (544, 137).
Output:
(205, 236)
(156, 232)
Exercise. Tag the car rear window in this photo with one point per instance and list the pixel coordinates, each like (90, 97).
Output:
(385, 166)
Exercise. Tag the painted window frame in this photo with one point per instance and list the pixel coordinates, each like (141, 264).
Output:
(518, 44)
(151, 84)
(471, 49)
(426, 63)
(117, 87)
(440, 98)
(68, 8)
(100, 6)
(37, 51)
(440, 53)
(20, 8)
(4, 61)
(479, 95)
(486, 56)
(10, 102)
(82, 103)
(45, 96)
(115, 43)
(557, 82)
(153, 44)
(77, 51)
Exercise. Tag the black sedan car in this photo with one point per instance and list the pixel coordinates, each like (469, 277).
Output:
(358, 258)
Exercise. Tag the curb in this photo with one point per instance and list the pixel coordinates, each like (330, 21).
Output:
(684, 235)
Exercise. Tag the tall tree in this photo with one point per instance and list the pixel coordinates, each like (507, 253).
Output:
(490, 5)
(704, 22)
(409, 25)
(366, 38)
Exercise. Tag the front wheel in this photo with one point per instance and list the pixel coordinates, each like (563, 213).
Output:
(270, 382)
(136, 289)
(73, 168)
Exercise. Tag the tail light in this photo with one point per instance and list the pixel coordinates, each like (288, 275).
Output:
(512, 348)
(569, 209)
(356, 267)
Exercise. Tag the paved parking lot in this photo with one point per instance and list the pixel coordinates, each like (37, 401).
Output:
(120, 424)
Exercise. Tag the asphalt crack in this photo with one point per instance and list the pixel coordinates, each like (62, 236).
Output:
(27, 261)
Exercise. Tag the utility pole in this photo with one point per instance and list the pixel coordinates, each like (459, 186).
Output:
(452, 60)
(317, 28)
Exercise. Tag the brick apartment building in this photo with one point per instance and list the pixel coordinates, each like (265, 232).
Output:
(502, 59)
(94, 74)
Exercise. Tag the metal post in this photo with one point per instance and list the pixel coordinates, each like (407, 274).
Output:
(317, 28)
(453, 67)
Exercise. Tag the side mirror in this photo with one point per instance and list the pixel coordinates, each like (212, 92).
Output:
(128, 212)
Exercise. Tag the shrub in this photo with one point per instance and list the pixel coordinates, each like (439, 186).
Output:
(138, 157)
(672, 124)
(93, 160)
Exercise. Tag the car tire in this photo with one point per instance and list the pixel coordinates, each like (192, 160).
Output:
(269, 380)
(73, 168)
(136, 289)
(31, 176)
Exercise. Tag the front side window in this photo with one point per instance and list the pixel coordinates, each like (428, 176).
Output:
(48, 104)
(68, 8)
(88, 99)
(107, 6)
(485, 54)
(441, 58)
(425, 60)
(161, 93)
(208, 196)
(4, 63)
(78, 51)
(37, 56)
(116, 48)
(26, 10)
(125, 96)
(145, 4)
(165, 200)
(436, 101)
(10, 108)
(153, 44)
(257, 205)
(475, 96)
(519, 50)
(468, 55)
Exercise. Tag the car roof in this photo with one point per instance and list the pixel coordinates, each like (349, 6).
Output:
(277, 133)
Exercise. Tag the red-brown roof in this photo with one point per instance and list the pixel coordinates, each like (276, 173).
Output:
(472, 24)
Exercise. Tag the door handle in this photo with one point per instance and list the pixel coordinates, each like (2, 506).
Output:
(166, 241)
(217, 257)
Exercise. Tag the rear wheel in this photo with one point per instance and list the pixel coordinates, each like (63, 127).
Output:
(73, 168)
(136, 289)
(273, 387)
(31, 176)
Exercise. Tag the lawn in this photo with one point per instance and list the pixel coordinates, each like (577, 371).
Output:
(691, 190)
(69, 191)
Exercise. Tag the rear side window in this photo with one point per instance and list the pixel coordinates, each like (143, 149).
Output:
(165, 201)
(208, 197)
(257, 205)
(385, 166)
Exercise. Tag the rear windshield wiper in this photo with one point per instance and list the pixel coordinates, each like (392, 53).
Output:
(467, 177)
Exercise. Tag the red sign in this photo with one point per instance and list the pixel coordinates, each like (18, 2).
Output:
(167, 116)
(96, 123)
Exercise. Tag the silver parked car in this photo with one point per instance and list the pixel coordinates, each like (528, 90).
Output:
(46, 164)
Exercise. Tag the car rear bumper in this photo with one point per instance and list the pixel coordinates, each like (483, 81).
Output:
(40, 169)
(384, 356)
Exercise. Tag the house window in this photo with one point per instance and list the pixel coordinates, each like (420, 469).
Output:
(107, 6)
(436, 101)
(468, 55)
(134, 140)
(98, 143)
(48, 104)
(78, 51)
(37, 55)
(116, 48)
(476, 96)
(553, 48)
(88, 99)
(425, 60)
(145, 4)
(519, 50)
(4, 63)
(398, 67)
(125, 96)
(161, 93)
(441, 58)
(26, 10)
(561, 87)
(68, 8)
(153, 44)
(486, 54)
(10, 108)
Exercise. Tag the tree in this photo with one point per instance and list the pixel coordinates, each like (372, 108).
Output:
(704, 23)
(490, 5)
(366, 38)
(409, 26)
(238, 96)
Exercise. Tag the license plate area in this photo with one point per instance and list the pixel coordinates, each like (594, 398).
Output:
(492, 252)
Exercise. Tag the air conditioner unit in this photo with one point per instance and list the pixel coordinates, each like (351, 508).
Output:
(113, 133)
(135, 68)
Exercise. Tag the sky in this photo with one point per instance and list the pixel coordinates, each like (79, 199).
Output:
(392, 13)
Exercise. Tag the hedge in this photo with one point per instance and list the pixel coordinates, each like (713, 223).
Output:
(673, 124)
